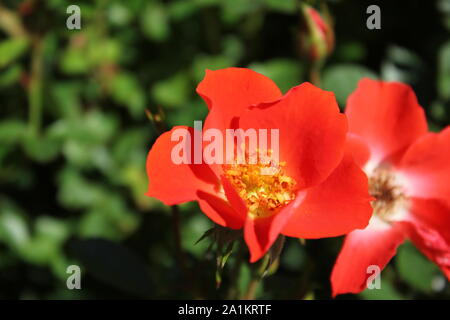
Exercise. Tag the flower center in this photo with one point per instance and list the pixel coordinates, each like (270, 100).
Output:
(388, 194)
(264, 186)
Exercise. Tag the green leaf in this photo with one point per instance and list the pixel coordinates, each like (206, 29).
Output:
(182, 9)
(245, 276)
(444, 8)
(77, 192)
(85, 139)
(103, 51)
(95, 127)
(205, 235)
(155, 22)
(294, 256)
(119, 14)
(10, 76)
(12, 131)
(45, 248)
(12, 49)
(232, 13)
(67, 98)
(284, 6)
(401, 65)
(130, 147)
(342, 79)
(415, 269)
(386, 292)
(109, 218)
(13, 227)
(49, 227)
(95, 223)
(127, 91)
(222, 255)
(73, 61)
(438, 110)
(203, 62)
(286, 73)
(43, 148)
(172, 92)
(351, 51)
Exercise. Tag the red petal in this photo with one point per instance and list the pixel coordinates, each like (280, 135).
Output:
(432, 245)
(220, 211)
(433, 213)
(386, 115)
(429, 229)
(359, 149)
(311, 131)
(233, 198)
(261, 233)
(426, 166)
(335, 207)
(228, 92)
(375, 245)
(176, 183)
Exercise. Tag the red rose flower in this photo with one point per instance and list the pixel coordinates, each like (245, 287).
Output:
(409, 175)
(316, 34)
(316, 189)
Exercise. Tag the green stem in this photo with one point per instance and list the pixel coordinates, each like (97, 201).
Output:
(251, 289)
(314, 73)
(177, 238)
(35, 89)
(258, 271)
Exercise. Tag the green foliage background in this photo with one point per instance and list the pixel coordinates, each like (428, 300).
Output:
(74, 135)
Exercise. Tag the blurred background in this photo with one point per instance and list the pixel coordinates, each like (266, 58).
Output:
(74, 136)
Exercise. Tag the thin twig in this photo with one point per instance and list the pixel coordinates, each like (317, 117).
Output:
(235, 273)
(314, 73)
(177, 236)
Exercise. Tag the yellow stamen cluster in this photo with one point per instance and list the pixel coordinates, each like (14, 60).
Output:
(264, 186)
(388, 194)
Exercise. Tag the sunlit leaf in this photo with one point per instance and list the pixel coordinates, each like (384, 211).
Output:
(12, 49)
(342, 79)
(415, 269)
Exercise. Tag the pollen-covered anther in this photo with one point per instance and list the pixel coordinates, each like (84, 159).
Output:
(388, 194)
(264, 194)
